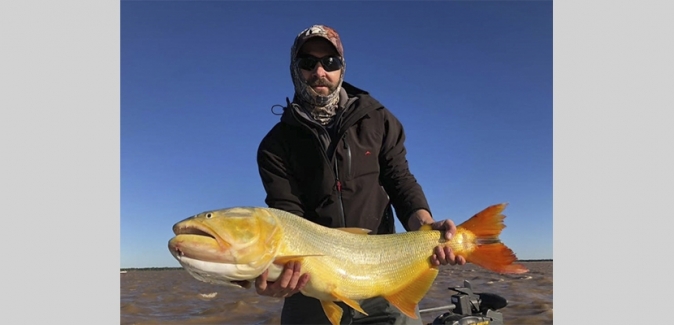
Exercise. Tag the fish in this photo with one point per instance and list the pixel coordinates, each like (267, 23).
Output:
(233, 246)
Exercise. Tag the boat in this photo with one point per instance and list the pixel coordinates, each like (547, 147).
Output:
(467, 308)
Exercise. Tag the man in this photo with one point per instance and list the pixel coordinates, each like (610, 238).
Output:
(337, 158)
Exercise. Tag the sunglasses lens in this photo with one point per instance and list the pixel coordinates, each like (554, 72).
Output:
(329, 63)
(308, 63)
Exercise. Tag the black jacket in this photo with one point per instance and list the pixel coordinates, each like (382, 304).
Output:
(345, 175)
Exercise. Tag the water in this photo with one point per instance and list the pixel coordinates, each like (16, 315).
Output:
(174, 297)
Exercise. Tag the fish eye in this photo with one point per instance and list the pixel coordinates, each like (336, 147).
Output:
(208, 215)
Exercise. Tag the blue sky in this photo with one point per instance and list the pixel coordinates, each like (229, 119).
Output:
(470, 81)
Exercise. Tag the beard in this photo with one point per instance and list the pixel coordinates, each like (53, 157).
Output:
(322, 82)
(329, 96)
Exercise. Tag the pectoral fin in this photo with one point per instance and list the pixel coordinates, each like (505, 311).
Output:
(349, 302)
(332, 311)
(408, 298)
(285, 259)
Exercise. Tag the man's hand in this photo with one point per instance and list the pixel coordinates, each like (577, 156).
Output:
(289, 282)
(442, 255)
(445, 255)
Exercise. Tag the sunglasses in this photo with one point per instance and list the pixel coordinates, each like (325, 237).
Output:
(329, 63)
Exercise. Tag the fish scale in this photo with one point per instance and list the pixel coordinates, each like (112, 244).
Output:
(360, 264)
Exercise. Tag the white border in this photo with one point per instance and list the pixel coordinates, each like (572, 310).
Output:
(613, 161)
(59, 138)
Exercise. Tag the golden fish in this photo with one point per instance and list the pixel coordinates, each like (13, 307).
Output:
(238, 244)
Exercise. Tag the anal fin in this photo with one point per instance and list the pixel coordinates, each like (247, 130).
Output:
(349, 302)
(332, 311)
(408, 298)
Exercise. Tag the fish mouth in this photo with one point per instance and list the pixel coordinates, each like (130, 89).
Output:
(193, 229)
(199, 242)
(199, 230)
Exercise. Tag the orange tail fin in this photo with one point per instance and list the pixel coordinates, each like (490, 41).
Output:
(490, 253)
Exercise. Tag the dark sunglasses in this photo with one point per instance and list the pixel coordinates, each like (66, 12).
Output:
(329, 63)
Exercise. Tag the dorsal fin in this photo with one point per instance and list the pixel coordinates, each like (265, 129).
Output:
(426, 227)
(357, 231)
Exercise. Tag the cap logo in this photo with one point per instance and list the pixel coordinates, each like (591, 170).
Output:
(313, 30)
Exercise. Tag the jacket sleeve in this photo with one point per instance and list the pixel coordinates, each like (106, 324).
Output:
(280, 187)
(402, 187)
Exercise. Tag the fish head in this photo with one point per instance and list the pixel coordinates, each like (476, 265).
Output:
(228, 246)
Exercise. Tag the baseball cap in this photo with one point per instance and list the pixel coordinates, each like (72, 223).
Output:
(323, 31)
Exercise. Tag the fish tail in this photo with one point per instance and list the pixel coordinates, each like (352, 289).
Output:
(490, 253)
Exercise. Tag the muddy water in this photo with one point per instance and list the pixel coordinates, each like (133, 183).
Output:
(174, 297)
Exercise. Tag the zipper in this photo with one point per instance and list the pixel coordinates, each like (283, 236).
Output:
(339, 182)
(348, 155)
(339, 196)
